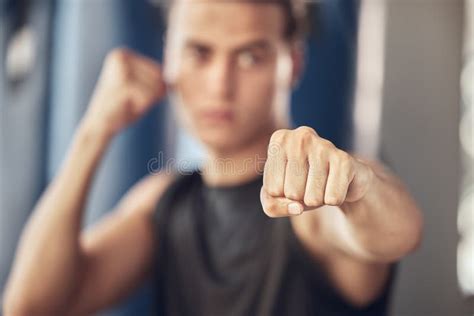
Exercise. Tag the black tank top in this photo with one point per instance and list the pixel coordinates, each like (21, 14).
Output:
(219, 254)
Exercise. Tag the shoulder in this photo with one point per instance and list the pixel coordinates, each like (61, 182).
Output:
(142, 197)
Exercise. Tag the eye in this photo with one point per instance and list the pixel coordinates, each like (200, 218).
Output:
(198, 53)
(247, 59)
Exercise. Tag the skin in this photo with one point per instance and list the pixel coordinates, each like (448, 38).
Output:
(352, 215)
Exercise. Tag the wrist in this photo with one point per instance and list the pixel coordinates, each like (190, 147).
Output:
(91, 129)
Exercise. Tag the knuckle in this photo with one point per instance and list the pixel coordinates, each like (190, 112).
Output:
(276, 145)
(312, 201)
(305, 136)
(270, 209)
(325, 144)
(333, 200)
(293, 194)
(274, 190)
(321, 150)
(306, 130)
(117, 65)
(307, 140)
(279, 135)
(117, 56)
(343, 157)
(274, 150)
(268, 203)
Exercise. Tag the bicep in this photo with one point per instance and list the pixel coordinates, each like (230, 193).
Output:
(117, 255)
(118, 251)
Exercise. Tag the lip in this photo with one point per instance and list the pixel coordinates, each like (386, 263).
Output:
(217, 115)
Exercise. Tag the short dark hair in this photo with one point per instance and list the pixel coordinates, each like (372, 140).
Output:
(297, 23)
(296, 15)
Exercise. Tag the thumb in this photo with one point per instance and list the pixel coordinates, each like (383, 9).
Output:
(279, 206)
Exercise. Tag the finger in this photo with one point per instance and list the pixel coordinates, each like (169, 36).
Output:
(147, 83)
(279, 206)
(152, 74)
(296, 173)
(147, 63)
(316, 182)
(363, 175)
(338, 181)
(274, 171)
(141, 99)
(149, 93)
(150, 78)
(148, 71)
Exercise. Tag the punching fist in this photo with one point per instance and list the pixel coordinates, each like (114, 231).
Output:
(304, 171)
(128, 86)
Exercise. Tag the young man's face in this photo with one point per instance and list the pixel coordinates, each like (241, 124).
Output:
(230, 68)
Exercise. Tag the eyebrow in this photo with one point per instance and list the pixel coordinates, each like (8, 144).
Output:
(260, 44)
(195, 43)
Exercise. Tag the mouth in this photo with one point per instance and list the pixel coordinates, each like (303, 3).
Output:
(217, 116)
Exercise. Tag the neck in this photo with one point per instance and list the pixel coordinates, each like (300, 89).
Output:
(239, 166)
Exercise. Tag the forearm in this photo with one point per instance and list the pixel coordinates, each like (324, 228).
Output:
(48, 262)
(386, 223)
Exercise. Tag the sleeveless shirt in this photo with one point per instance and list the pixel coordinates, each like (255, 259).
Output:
(219, 254)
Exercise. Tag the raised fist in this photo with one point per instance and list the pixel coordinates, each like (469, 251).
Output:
(128, 86)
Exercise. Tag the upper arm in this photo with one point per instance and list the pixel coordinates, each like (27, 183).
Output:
(118, 250)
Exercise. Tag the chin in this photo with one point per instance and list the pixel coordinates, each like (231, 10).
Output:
(221, 142)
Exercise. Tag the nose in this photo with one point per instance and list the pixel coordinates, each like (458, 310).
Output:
(221, 79)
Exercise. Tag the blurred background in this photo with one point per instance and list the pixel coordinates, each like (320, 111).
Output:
(386, 78)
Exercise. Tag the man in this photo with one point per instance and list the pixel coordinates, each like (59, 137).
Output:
(336, 223)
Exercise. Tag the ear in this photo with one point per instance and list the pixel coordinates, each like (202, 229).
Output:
(297, 58)
(169, 63)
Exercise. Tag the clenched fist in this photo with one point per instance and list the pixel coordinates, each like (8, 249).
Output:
(128, 86)
(304, 171)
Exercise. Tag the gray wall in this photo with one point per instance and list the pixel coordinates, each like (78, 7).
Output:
(420, 136)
